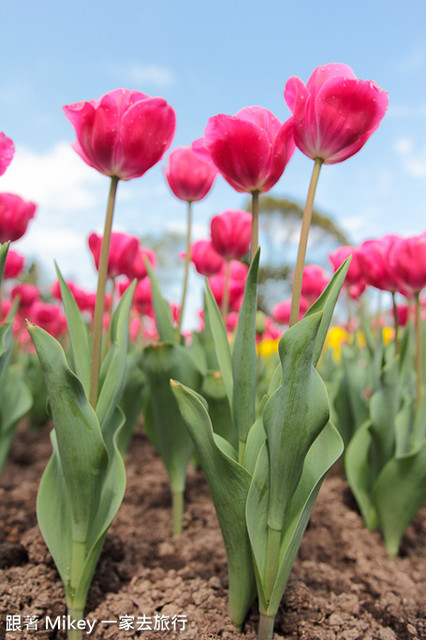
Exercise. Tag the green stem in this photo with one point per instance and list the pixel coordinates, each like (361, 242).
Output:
(187, 261)
(177, 510)
(272, 560)
(76, 614)
(419, 346)
(303, 242)
(395, 323)
(225, 299)
(254, 224)
(100, 294)
(266, 627)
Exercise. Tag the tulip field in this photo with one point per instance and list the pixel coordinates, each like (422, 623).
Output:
(261, 476)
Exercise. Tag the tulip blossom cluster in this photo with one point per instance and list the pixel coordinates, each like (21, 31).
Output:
(15, 214)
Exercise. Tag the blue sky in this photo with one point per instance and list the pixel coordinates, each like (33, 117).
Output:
(205, 58)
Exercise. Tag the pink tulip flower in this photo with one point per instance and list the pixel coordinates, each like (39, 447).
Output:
(124, 133)
(7, 150)
(15, 214)
(122, 253)
(142, 297)
(189, 176)
(407, 259)
(47, 316)
(314, 281)
(281, 311)
(14, 264)
(231, 233)
(205, 258)
(373, 258)
(335, 113)
(250, 149)
(235, 291)
(138, 268)
(28, 293)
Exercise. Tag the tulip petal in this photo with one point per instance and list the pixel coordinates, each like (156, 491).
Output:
(240, 150)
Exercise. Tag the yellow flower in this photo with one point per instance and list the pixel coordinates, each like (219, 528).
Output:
(336, 336)
(388, 334)
(268, 347)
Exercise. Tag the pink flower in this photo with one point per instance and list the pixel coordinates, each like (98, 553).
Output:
(6, 152)
(124, 133)
(142, 297)
(82, 298)
(206, 260)
(236, 291)
(314, 281)
(28, 293)
(122, 252)
(335, 113)
(250, 149)
(14, 264)
(373, 257)
(48, 316)
(189, 176)
(281, 311)
(231, 233)
(15, 214)
(407, 259)
(138, 268)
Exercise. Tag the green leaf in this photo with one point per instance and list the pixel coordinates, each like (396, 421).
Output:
(3, 255)
(244, 356)
(323, 453)
(78, 335)
(114, 366)
(163, 422)
(81, 448)
(213, 390)
(398, 494)
(220, 338)
(326, 303)
(360, 474)
(163, 315)
(229, 484)
(15, 403)
(294, 415)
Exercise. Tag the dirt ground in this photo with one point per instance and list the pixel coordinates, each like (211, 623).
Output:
(148, 585)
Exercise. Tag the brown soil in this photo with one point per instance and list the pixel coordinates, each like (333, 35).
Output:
(342, 585)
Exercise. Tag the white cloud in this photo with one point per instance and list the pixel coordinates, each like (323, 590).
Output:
(413, 159)
(149, 74)
(57, 179)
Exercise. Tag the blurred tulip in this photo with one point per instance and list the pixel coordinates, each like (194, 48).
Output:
(122, 253)
(235, 291)
(250, 149)
(335, 113)
(373, 258)
(314, 281)
(142, 297)
(189, 176)
(47, 316)
(15, 214)
(281, 311)
(14, 264)
(138, 269)
(28, 293)
(82, 298)
(407, 259)
(7, 151)
(231, 233)
(206, 260)
(124, 133)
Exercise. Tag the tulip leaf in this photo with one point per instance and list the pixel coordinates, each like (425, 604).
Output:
(78, 335)
(360, 473)
(163, 315)
(229, 484)
(213, 390)
(220, 338)
(326, 303)
(114, 366)
(163, 422)
(15, 403)
(84, 481)
(3, 255)
(398, 494)
(244, 356)
(294, 415)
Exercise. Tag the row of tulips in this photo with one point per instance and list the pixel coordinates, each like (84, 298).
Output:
(265, 445)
